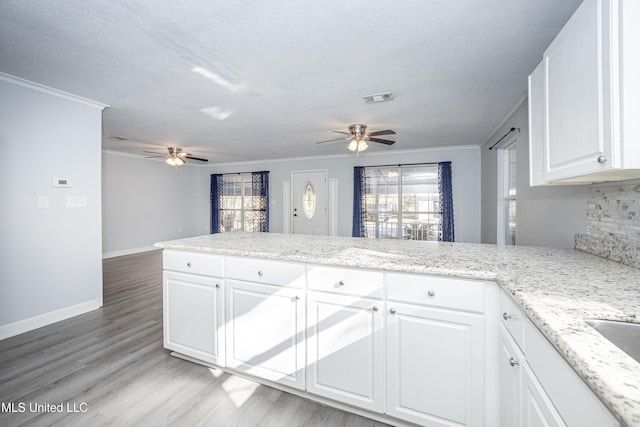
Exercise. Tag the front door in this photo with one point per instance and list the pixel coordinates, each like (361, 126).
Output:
(309, 191)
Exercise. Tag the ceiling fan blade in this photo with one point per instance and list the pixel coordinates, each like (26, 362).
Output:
(382, 141)
(197, 158)
(339, 131)
(153, 152)
(382, 132)
(329, 140)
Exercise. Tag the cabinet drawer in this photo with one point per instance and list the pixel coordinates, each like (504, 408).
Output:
(193, 262)
(268, 272)
(444, 292)
(345, 281)
(513, 318)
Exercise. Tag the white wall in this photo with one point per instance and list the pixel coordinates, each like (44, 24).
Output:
(546, 216)
(465, 176)
(146, 201)
(51, 258)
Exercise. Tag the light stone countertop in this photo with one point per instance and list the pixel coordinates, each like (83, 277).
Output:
(556, 288)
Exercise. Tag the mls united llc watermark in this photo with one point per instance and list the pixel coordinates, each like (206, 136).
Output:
(20, 407)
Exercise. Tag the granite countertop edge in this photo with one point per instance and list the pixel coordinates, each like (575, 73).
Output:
(556, 288)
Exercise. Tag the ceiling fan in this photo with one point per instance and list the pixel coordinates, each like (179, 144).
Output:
(176, 156)
(358, 137)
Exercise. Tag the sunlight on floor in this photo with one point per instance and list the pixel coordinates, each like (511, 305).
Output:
(239, 389)
(216, 373)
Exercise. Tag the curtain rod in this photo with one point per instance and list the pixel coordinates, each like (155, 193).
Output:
(239, 173)
(403, 164)
(505, 135)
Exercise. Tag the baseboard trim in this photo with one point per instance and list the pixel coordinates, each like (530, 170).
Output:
(131, 251)
(26, 325)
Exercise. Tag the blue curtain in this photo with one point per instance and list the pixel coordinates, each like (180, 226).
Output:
(216, 196)
(260, 204)
(446, 202)
(359, 208)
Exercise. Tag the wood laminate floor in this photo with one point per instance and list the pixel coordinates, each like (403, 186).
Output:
(109, 366)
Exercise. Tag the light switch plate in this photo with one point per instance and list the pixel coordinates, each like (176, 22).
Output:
(76, 201)
(43, 202)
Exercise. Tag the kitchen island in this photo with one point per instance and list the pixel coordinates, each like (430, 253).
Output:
(556, 289)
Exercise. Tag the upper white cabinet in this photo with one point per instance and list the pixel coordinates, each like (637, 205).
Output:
(584, 98)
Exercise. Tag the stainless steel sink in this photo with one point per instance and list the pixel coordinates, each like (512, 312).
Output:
(624, 335)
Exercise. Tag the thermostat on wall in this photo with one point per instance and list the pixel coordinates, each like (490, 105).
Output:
(61, 182)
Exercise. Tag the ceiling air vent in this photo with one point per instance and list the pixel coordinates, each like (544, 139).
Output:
(378, 97)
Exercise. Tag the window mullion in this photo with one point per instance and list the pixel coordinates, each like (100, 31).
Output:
(400, 202)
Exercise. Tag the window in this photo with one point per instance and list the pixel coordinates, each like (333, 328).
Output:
(507, 219)
(403, 202)
(239, 202)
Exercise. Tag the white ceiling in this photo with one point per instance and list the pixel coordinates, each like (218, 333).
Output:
(281, 74)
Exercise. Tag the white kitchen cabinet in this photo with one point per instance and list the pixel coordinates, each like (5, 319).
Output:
(586, 90)
(510, 360)
(536, 126)
(435, 365)
(537, 409)
(345, 349)
(265, 331)
(537, 386)
(193, 309)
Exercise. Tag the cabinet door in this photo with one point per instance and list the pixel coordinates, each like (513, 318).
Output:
(536, 126)
(435, 366)
(577, 87)
(537, 409)
(510, 381)
(345, 349)
(194, 316)
(265, 332)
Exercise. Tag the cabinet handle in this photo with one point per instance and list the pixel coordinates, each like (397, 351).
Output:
(513, 362)
(340, 283)
(602, 159)
(431, 293)
(297, 297)
(374, 308)
(506, 316)
(217, 285)
(392, 310)
(260, 273)
(189, 264)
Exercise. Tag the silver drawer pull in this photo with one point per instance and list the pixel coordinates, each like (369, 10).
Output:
(602, 159)
(374, 308)
(513, 362)
(431, 293)
(392, 310)
(340, 283)
(189, 264)
(506, 316)
(260, 273)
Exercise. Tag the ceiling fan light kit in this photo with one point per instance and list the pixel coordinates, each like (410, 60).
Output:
(176, 157)
(358, 138)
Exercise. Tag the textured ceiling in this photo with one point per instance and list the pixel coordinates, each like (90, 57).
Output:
(248, 80)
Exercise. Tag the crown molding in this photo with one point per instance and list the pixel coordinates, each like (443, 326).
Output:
(51, 91)
(341, 156)
(521, 100)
